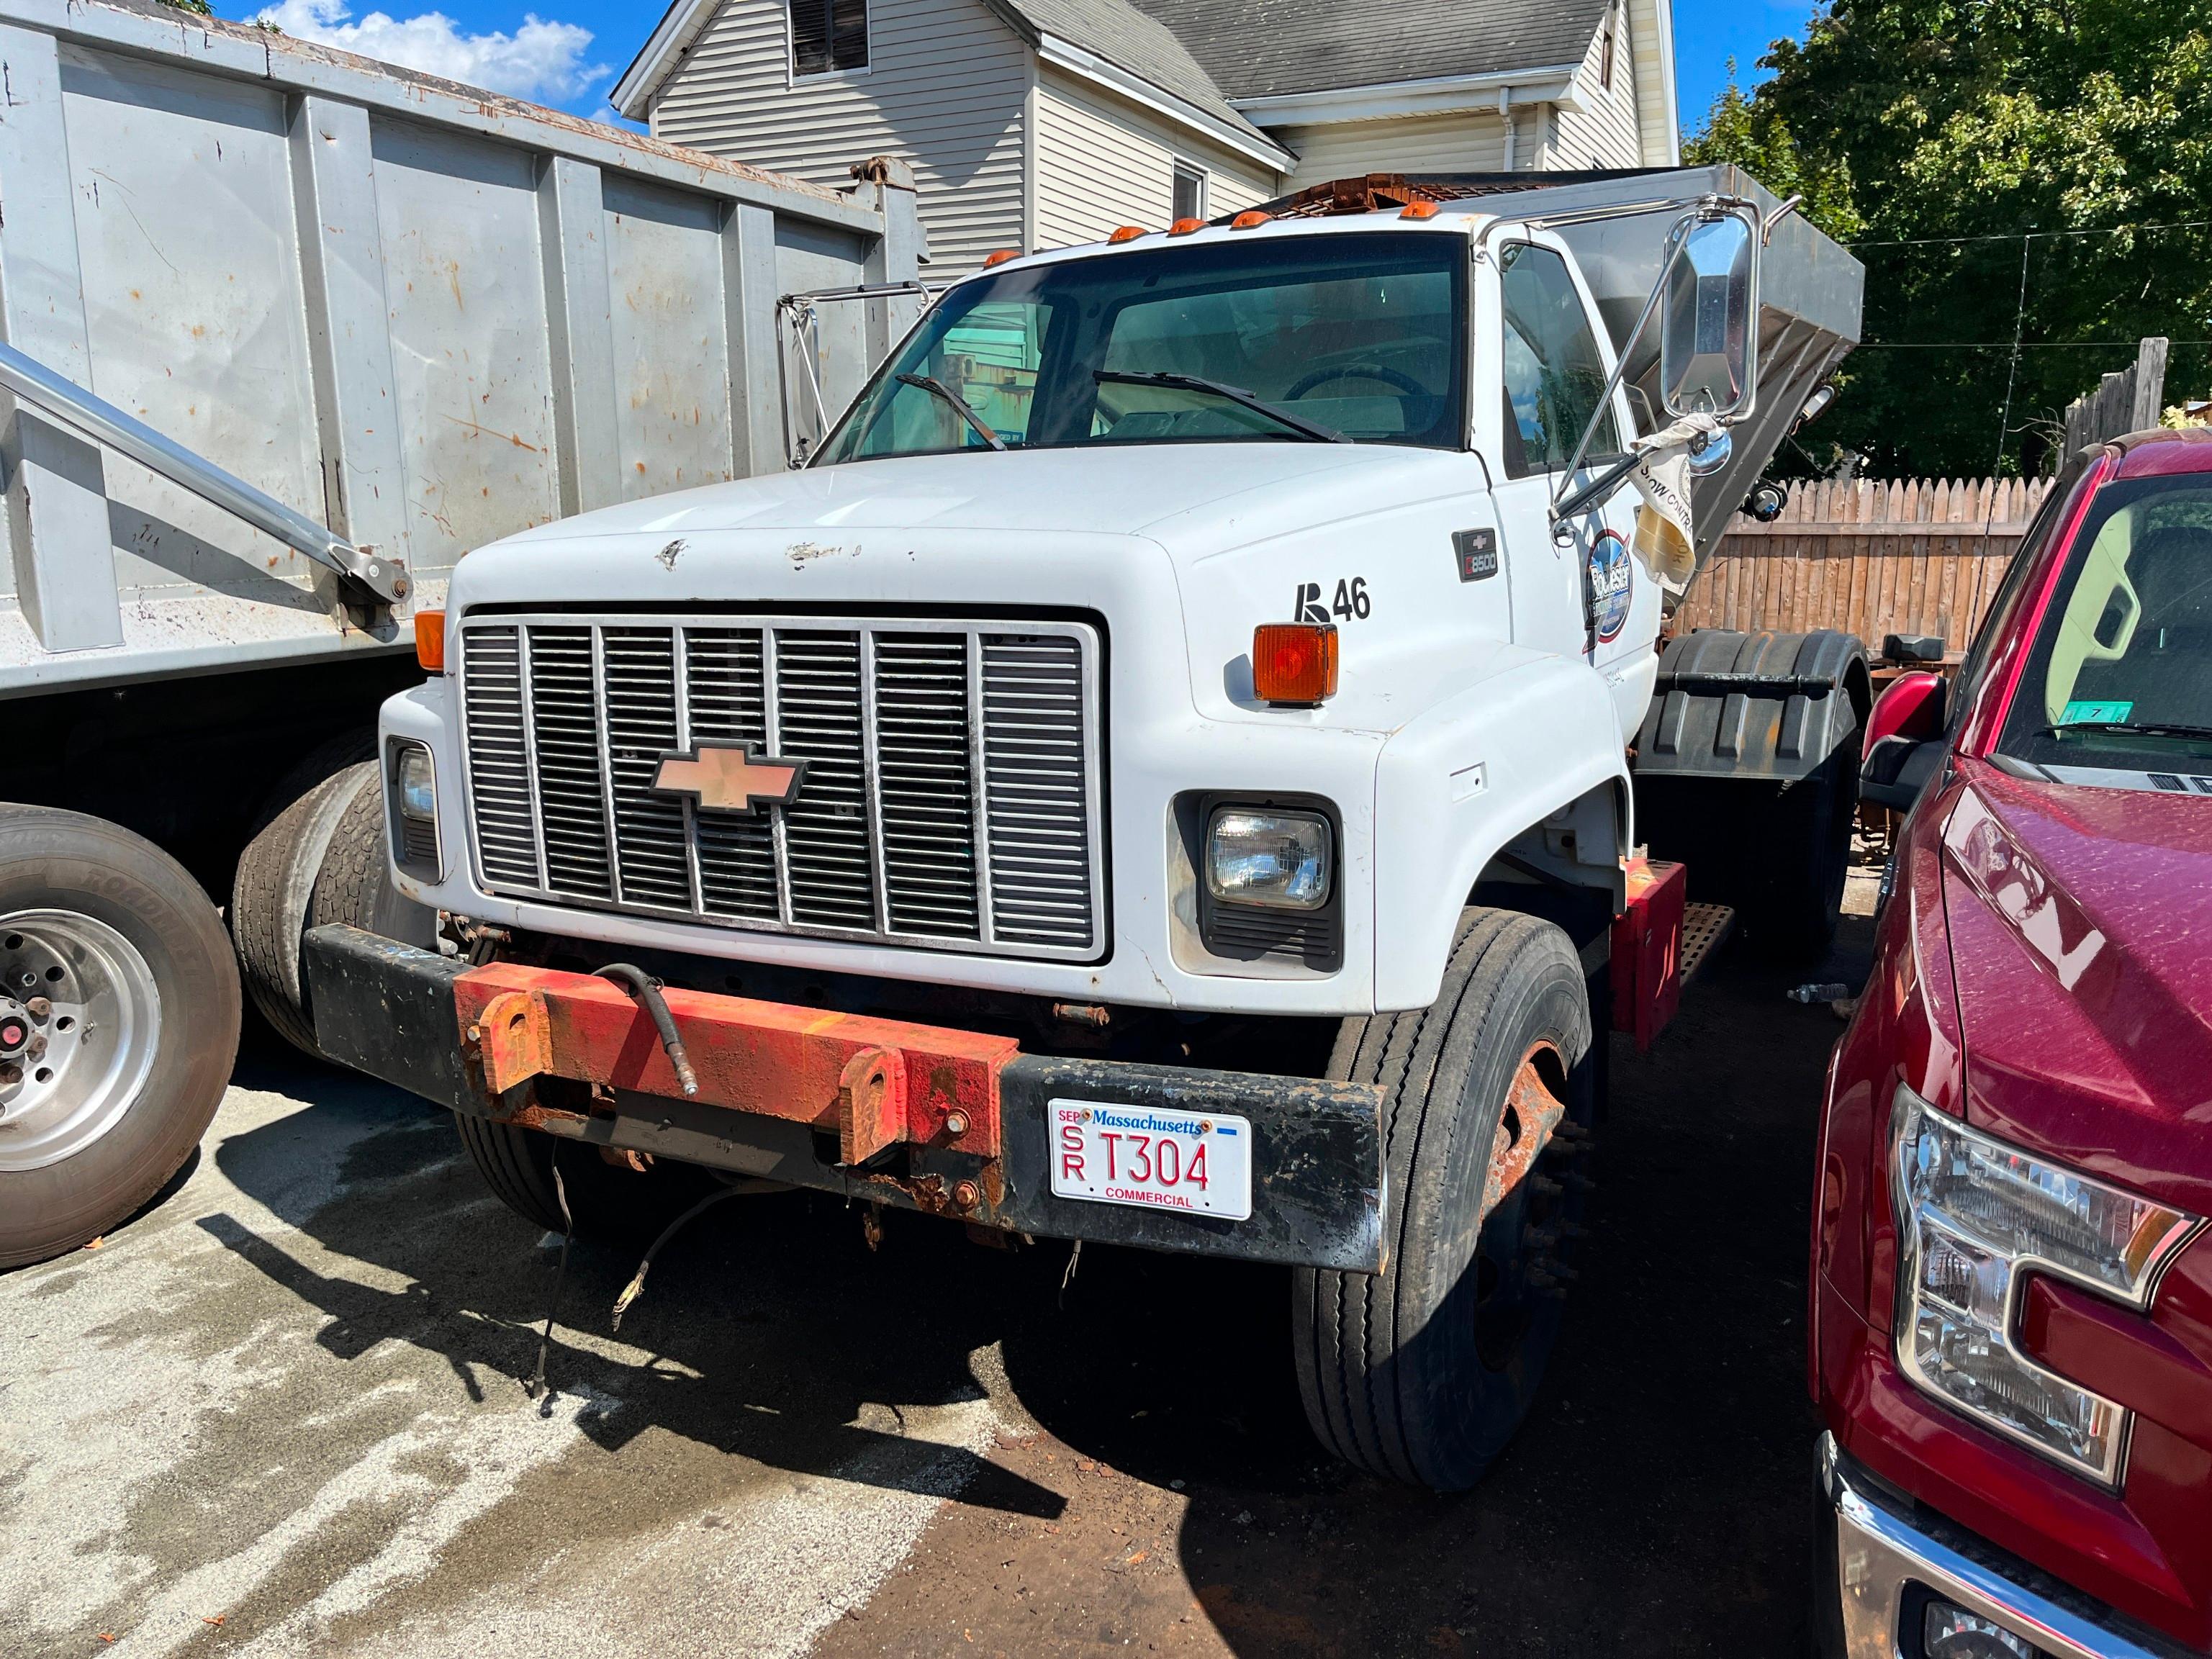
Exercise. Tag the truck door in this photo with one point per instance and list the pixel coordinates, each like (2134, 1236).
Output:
(1580, 592)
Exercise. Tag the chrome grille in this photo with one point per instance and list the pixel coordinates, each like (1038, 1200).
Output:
(952, 797)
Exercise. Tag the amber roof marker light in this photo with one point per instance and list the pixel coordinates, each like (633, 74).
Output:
(1251, 219)
(1422, 209)
(1185, 227)
(1127, 233)
(1294, 664)
(1001, 255)
(430, 640)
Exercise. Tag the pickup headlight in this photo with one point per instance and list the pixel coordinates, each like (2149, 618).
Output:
(1974, 1217)
(1279, 859)
(410, 792)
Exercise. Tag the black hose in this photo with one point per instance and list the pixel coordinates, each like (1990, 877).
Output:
(646, 991)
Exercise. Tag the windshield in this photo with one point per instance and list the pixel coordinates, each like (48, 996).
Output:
(2120, 676)
(1359, 336)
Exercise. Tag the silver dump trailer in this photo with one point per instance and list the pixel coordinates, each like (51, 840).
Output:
(286, 334)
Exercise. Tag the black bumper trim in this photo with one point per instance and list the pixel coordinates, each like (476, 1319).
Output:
(1317, 1187)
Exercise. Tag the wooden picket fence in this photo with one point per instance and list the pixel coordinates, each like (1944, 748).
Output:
(1909, 555)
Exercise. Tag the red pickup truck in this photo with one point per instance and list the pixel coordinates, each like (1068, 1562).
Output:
(2011, 1294)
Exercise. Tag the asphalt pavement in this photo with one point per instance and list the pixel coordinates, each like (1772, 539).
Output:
(284, 1412)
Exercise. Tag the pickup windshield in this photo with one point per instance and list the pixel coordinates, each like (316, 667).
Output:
(1361, 335)
(2119, 677)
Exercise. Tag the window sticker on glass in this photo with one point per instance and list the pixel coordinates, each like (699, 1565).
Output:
(2078, 713)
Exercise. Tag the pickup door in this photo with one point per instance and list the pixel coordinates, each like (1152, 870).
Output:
(1541, 344)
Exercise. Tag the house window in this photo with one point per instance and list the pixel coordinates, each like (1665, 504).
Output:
(1189, 191)
(829, 35)
(1604, 56)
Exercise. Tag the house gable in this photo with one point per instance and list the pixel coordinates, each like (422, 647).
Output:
(946, 88)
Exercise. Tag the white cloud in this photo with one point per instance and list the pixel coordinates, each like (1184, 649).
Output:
(541, 60)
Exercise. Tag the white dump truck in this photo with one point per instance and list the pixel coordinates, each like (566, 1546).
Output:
(283, 333)
(1159, 773)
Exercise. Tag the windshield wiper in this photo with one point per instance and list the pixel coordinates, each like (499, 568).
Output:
(937, 388)
(2129, 729)
(1236, 394)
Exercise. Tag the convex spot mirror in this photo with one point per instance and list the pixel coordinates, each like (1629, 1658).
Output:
(1709, 321)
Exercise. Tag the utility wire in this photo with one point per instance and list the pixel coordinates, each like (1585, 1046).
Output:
(2004, 345)
(2019, 235)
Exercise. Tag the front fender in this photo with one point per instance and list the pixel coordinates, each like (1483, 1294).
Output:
(1458, 782)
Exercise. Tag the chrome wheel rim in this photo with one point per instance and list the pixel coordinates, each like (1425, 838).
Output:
(94, 1018)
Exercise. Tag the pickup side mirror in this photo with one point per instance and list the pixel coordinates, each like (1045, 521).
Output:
(1910, 706)
(1904, 741)
(1709, 322)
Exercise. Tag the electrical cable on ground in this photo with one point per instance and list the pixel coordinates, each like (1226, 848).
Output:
(537, 1383)
(635, 1288)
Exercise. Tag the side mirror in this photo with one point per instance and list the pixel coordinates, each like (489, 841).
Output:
(1896, 770)
(1709, 323)
(1910, 706)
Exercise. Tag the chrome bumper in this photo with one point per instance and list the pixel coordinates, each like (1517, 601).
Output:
(1880, 1555)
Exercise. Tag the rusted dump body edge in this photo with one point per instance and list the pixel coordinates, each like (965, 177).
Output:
(241, 49)
(390, 1009)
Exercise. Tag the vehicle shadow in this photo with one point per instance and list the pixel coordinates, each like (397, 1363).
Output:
(1657, 1501)
(770, 1330)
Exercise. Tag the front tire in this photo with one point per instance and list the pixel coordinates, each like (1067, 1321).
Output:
(118, 967)
(606, 1204)
(1422, 1373)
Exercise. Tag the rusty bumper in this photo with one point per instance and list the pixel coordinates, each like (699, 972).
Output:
(919, 1116)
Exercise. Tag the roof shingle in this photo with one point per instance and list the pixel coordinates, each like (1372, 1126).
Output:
(1264, 48)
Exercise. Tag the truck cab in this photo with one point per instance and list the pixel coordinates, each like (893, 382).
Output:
(1157, 773)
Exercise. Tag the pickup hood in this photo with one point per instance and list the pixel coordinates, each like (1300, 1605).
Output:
(2081, 934)
(1194, 499)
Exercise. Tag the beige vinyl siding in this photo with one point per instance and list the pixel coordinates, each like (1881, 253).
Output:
(1103, 161)
(1650, 24)
(1605, 131)
(945, 88)
(1467, 142)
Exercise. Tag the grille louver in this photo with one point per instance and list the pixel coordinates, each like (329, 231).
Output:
(951, 799)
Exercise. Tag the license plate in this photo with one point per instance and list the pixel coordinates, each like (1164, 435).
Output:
(1156, 1160)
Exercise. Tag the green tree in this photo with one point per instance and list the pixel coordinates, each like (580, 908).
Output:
(1755, 134)
(1930, 121)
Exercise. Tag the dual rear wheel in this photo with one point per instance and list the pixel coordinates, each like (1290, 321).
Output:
(119, 1023)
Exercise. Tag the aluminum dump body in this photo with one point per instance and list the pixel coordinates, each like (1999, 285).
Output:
(422, 314)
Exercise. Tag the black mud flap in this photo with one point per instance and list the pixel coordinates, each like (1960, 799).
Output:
(1746, 770)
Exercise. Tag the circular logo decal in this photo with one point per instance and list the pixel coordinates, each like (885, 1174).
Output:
(1609, 575)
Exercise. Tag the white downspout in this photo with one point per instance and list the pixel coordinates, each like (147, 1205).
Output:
(1505, 114)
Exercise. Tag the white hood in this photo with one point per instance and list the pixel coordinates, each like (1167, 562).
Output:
(1194, 499)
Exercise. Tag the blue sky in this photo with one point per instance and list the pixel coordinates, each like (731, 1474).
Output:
(568, 53)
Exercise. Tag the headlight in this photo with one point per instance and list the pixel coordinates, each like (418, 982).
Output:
(1974, 1216)
(411, 786)
(1279, 859)
(418, 787)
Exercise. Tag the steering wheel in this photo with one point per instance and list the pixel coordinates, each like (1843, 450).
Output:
(1405, 383)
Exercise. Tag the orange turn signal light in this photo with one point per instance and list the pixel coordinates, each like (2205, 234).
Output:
(1184, 226)
(1250, 220)
(1419, 210)
(1294, 662)
(1126, 233)
(1001, 257)
(430, 640)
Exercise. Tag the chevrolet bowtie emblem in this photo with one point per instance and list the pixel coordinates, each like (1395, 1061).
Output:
(727, 777)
